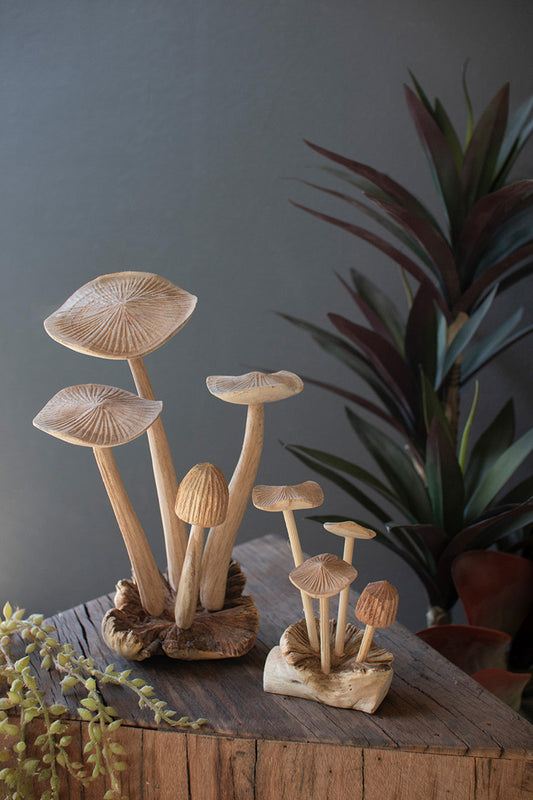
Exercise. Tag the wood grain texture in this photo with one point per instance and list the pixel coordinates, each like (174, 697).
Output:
(166, 483)
(121, 315)
(404, 776)
(94, 415)
(221, 768)
(293, 770)
(437, 734)
(504, 779)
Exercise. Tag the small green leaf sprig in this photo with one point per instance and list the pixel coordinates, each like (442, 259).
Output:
(19, 693)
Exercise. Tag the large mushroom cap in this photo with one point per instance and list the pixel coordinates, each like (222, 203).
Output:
(349, 529)
(378, 604)
(255, 387)
(323, 575)
(203, 496)
(288, 498)
(121, 315)
(93, 415)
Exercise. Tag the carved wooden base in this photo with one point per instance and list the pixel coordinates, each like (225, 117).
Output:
(132, 633)
(293, 669)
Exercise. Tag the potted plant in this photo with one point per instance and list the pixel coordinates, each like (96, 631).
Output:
(437, 494)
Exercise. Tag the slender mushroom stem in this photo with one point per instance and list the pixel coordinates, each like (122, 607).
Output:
(188, 590)
(298, 558)
(343, 600)
(147, 576)
(219, 545)
(365, 643)
(325, 651)
(174, 529)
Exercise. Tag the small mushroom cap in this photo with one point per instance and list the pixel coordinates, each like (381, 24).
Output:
(121, 315)
(378, 604)
(323, 575)
(288, 498)
(349, 530)
(203, 496)
(93, 415)
(255, 387)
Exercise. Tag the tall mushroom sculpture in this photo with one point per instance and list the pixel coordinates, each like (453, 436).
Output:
(350, 531)
(102, 417)
(202, 501)
(323, 576)
(126, 315)
(252, 390)
(289, 499)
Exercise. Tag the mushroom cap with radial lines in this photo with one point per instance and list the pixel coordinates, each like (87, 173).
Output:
(378, 604)
(349, 530)
(288, 498)
(203, 496)
(93, 415)
(323, 576)
(255, 387)
(121, 315)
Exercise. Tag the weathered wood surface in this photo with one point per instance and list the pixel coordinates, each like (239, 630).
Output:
(437, 734)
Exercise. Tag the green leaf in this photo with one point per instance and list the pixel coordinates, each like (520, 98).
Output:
(382, 306)
(482, 153)
(445, 480)
(468, 427)
(421, 335)
(514, 139)
(466, 333)
(491, 444)
(483, 352)
(498, 475)
(397, 467)
(342, 483)
(342, 465)
(469, 110)
(443, 121)
(433, 407)
(441, 162)
(421, 93)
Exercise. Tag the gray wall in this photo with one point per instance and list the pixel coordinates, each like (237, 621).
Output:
(159, 135)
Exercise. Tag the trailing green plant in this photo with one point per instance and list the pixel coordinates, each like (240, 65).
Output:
(22, 702)
(442, 496)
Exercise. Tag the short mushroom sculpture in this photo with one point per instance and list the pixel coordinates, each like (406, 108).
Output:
(103, 417)
(323, 577)
(202, 501)
(350, 531)
(376, 608)
(252, 390)
(288, 499)
(126, 315)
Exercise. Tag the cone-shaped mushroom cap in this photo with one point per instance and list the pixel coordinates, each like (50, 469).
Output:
(255, 387)
(121, 315)
(323, 575)
(288, 498)
(203, 496)
(378, 604)
(97, 416)
(349, 530)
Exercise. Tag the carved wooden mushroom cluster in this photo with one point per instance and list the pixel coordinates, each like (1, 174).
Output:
(355, 673)
(196, 611)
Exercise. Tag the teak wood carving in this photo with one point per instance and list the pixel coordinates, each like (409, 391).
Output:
(197, 610)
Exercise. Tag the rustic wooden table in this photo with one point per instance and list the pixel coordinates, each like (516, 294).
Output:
(438, 734)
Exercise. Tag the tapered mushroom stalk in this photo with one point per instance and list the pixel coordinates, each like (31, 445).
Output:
(126, 315)
(323, 576)
(350, 531)
(202, 501)
(103, 417)
(253, 390)
(288, 499)
(376, 608)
